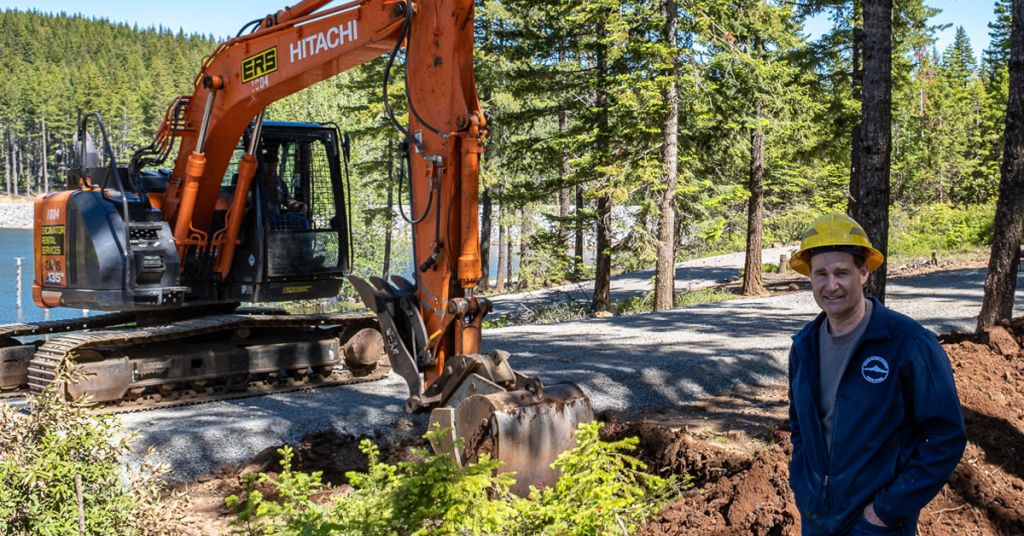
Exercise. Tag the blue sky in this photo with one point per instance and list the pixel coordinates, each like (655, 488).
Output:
(223, 18)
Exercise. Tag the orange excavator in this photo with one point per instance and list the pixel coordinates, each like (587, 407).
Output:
(256, 211)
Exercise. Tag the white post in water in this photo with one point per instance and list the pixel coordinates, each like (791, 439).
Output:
(17, 262)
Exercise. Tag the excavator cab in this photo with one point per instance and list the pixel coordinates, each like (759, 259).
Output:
(295, 240)
(103, 243)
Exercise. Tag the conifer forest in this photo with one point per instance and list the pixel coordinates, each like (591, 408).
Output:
(624, 134)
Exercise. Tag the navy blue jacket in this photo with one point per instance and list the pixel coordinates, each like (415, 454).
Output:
(898, 431)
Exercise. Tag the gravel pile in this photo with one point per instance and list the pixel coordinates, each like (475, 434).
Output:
(633, 364)
(16, 215)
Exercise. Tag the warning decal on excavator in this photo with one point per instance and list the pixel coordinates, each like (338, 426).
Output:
(259, 64)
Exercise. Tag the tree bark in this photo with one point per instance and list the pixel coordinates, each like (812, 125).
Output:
(17, 166)
(499, 285)
(526, 229)
(876, 134)
(665, 269)
(856, 83)
(753, 283)
(577, 260)
(563, 176)
(486, 205)
(7, 158)
(603, 262)
(508, 259)
(1003, 263)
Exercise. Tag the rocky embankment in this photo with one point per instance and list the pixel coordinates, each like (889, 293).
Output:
(15, 213)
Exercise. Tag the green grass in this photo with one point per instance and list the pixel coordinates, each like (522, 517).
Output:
(633, 305)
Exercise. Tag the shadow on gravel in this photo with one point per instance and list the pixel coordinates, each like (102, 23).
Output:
(209, 435)
(629, 370)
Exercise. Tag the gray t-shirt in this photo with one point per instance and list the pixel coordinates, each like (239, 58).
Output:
(833, 356)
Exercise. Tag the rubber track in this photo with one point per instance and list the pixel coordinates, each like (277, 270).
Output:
(61, 326)
(345, 377)
(46, 362)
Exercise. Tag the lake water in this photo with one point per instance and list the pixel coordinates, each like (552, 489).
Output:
(18, 243)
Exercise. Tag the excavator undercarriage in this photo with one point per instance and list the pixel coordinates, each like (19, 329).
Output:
(122, 363)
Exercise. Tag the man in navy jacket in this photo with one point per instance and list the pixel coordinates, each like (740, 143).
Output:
(875, 419)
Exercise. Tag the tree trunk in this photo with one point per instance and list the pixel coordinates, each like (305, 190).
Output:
(577, 260)
(485, 239)
(1001, 281)
(564, 187)
(665, 269)
(499, 285)
(856, 83)
(876, 134)
(603, 262)
(7, 158)
(563, 175)
(526, 229)
(508, 259)
(16, 164)
(389, 158)
(753, 284)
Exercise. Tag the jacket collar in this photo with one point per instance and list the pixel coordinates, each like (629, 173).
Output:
(878, 326)
(877, 329)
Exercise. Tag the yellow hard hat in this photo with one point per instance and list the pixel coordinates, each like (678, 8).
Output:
(834, 230)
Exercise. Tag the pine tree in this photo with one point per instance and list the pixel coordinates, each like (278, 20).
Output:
(1001, 280)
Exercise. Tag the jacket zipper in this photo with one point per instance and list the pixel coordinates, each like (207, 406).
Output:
(828, 469)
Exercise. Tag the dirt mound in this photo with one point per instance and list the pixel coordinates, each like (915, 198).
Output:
(735, 494)
(986, 491)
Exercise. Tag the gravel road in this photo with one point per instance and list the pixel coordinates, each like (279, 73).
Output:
(625, 363)
(16, 215)
(690, 275)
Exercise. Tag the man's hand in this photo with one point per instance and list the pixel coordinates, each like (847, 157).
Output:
(869, 514)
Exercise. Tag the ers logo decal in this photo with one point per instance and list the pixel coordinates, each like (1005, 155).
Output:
(259, 64)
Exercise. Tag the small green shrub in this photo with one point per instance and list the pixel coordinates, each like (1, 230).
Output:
(546, 314)
(703, 296)
(575, 310)
(431, 496)
(602, 490)
(58, 452)
(294, 513)
(940, 227)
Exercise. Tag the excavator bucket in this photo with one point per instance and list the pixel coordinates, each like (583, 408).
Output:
(526, 429)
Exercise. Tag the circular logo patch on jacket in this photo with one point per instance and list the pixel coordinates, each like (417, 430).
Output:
(875, 369)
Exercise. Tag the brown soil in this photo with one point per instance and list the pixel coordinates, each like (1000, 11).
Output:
(736, 448)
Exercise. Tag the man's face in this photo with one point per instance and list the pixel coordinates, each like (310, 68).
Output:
(838, 283)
